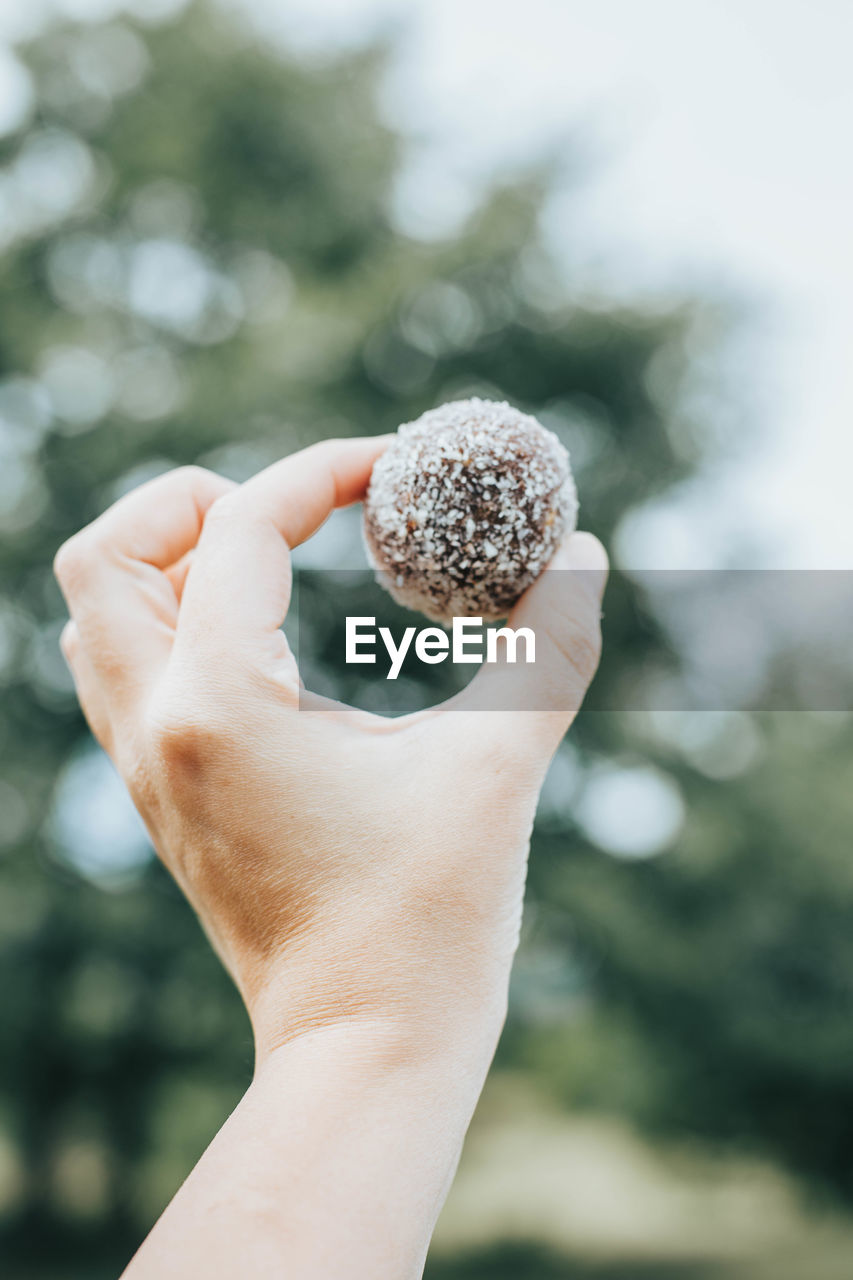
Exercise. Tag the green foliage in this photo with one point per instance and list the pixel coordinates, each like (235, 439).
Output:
(199, 264)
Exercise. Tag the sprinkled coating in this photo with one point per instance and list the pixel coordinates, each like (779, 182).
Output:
(466, 507)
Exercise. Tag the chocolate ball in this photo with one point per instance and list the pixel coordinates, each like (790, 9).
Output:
(466, 507)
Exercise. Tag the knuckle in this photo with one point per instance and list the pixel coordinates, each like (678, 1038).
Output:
(72, 562)
(579, 644)
(223, 510)
(586, 652)
(69, 641)
(192, 472)
(331, 445)
(321, 447)
(193, 477)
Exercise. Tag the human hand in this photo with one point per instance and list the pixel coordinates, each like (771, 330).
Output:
(361, 878)
(344, 866)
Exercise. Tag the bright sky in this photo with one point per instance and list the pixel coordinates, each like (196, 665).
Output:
(717, 136)
(720, 156)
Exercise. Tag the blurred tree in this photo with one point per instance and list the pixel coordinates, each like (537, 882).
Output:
(198, 263)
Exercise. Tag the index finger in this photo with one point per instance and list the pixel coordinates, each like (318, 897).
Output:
(240, 579)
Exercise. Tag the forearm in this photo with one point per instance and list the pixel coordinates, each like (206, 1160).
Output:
(336, 1162)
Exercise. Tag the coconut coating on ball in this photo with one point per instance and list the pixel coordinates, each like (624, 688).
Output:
(466, 507)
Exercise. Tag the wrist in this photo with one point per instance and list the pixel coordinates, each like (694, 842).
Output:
(382, 1028)
(381, 1043)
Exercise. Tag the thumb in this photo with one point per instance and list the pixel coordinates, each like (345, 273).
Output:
(537, 700)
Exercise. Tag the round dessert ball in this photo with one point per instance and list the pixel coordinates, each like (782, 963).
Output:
(466, 507)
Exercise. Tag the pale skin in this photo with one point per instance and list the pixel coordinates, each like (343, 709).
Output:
(360, 878)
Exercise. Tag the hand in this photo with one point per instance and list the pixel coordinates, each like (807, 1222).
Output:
(354, 873)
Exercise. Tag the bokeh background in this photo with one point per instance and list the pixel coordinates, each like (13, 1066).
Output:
(227, 230)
